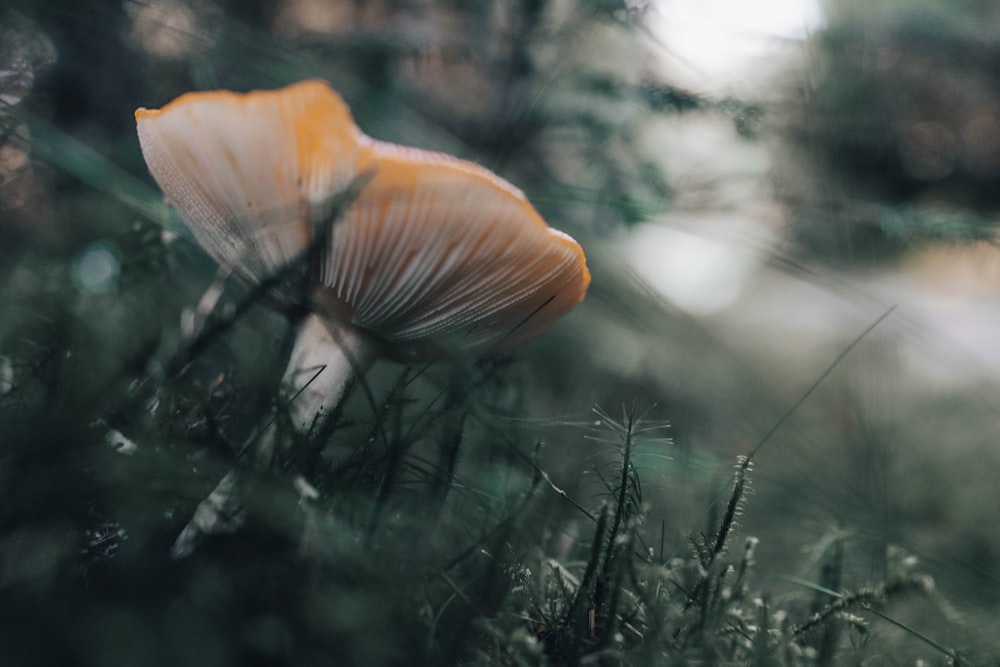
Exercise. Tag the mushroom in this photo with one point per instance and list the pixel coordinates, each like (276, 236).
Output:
(433, 257)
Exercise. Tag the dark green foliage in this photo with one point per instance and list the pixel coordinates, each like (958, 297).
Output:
(470, 512)
(896, 126)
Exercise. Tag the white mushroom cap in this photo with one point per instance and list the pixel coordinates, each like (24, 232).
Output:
(434, 255)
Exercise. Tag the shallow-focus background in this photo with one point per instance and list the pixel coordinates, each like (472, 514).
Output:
(755, 184)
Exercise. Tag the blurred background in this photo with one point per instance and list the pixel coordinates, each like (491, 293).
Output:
(755, 184)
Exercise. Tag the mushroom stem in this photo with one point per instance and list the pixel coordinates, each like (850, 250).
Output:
(324, 358)
(326, 355)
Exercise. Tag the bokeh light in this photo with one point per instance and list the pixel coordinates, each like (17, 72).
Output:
(696, 273)
(96, 268)
(167, 29)
(709, 44)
